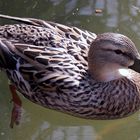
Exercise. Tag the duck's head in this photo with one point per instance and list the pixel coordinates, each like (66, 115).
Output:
(110, 57)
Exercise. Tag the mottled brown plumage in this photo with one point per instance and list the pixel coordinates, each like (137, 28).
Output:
(71, 70)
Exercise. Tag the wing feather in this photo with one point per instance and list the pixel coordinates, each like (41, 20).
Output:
(49, 55)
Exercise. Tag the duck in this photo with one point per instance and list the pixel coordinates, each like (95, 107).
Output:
(69, 69)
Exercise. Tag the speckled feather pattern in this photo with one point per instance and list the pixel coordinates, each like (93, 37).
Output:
(49, 67)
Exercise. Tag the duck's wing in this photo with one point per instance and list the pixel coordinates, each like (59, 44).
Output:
(66, 31)
(47, 70)
(57, 58)
(43, 67)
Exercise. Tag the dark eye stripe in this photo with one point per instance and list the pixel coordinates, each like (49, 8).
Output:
(129, 55)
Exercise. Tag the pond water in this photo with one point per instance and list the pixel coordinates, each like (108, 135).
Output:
(39, 123)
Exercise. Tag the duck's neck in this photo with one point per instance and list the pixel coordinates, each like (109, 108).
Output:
(106, 73)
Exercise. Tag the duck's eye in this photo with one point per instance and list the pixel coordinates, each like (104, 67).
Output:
(118, 52)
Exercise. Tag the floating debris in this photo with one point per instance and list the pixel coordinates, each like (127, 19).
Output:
(98, 11)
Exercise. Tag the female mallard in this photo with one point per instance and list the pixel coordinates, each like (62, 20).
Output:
(69, 69)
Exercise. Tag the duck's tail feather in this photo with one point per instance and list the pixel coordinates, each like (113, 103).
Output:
(31, 21)
(7, 58)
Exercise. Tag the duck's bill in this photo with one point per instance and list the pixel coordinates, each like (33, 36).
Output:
(136, 65)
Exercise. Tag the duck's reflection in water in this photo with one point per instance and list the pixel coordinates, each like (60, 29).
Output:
(45, 132)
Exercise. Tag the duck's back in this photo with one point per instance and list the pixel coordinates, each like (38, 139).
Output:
(45, 57)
